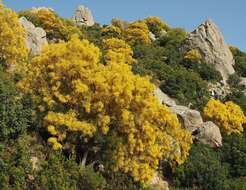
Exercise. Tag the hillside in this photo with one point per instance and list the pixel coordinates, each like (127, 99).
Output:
(127, 106)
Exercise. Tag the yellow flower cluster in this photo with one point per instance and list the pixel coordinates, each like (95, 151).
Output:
(229, 116)
(55, 144)
(193, 55)
(112, 31)
(117, 51)
(12, 38)
(55, 27)
(156, 25)
(138, 32)
(85, 97)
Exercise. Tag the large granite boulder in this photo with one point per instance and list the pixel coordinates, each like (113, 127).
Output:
(209, 41)
(83, 16)
(209, 134)
(36, 36)
(189, 119)
(163, 98)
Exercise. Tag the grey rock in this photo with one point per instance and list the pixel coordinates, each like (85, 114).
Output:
(152, 36)
(163, 98)
(209, 134)
(243, 83)
(209, 41)
(83, 16)
(36, 37)
(218, 90)
(189, 119)
(158, 183)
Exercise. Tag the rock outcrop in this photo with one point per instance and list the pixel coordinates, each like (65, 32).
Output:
(218, 90)
(163, 98)
(36, 36)
(209, 134)
(83, 16)
(209, 41)
(190, 119)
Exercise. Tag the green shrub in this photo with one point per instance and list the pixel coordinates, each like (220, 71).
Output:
(14, 115)
(120, 181)
(233, 153)
(203, 170)
(207, 72)
(240, 61)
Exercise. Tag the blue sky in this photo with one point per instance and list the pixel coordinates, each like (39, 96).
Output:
(229, 15)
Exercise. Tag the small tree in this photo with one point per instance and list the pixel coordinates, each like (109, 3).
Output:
(85, 99)
(12, 38)
(138, 32)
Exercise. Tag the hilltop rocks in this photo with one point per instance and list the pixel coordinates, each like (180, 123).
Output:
(36, 36)
(209, 134)
(209, 41)
(190, 119)
(83, 16)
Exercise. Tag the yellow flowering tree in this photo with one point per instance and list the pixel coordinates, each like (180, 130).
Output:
(55, 27)
(12, 38)
(83, 98)
(156, 25)
(117, 51)
(112, 31)
(228, 116)
(138, 32)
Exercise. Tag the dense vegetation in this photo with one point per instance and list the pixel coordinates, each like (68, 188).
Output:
(82, 114)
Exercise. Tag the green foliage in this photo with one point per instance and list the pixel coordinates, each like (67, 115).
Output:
(240, 61)
(13, 114)
(172, 42)
(234, 154)
(236, 184)
(237, 94)
(65, 174)
(93, 34)
(203, 170)
(206, 72)
(186, 86)
(51, 171)
(120, 181)
(15, 165)
(183, 84)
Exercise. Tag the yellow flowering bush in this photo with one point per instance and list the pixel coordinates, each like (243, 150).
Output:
(193, 55)
(156, 25)
(84, 98)
(228, 116)
(111, 31)
(138, 32)
(55, 27)
(117, 51)
(12, 38)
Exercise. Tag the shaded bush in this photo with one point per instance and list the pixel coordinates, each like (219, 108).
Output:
(203, 170)
(14, 116)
